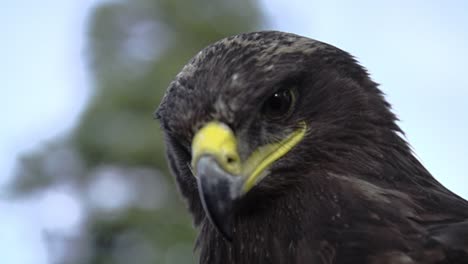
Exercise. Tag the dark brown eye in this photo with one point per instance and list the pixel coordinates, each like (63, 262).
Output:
(280, 104)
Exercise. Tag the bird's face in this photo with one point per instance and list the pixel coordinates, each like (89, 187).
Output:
(229, 161)
(252, 112)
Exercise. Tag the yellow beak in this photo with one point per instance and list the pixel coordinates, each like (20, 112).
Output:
(218, 141)
(222, 177)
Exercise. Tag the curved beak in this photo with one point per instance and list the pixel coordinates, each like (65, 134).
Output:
(218, 189)
(221, 175)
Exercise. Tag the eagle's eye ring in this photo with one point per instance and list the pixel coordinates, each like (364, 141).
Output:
(280, 104)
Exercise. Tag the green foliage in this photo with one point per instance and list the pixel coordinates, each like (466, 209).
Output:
(135, 48)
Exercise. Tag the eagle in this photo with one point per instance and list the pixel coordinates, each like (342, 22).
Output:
(286, 151)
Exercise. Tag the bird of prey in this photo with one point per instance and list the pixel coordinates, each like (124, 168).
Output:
(286, 151)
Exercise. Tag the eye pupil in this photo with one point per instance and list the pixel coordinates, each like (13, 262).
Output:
(279, 104)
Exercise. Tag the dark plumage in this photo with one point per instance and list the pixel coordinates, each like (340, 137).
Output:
(351, 191)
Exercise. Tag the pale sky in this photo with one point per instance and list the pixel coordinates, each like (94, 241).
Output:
(42, 64)
(416, 50)
(44, 89)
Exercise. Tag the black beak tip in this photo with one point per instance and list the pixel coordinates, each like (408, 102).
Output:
(217, 207)
(217, 188)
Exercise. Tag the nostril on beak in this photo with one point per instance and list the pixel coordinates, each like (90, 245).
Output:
(230, 159)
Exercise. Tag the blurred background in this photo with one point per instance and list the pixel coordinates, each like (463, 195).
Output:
(84, 179)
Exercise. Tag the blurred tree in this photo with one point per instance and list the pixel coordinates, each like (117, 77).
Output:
(114, 157)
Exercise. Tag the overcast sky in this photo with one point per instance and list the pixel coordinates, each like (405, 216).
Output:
(416, 50)
(43, 69)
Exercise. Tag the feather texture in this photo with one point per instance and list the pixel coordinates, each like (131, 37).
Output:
(351, 192)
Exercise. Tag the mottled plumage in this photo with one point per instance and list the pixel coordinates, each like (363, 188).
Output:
(351, 191)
